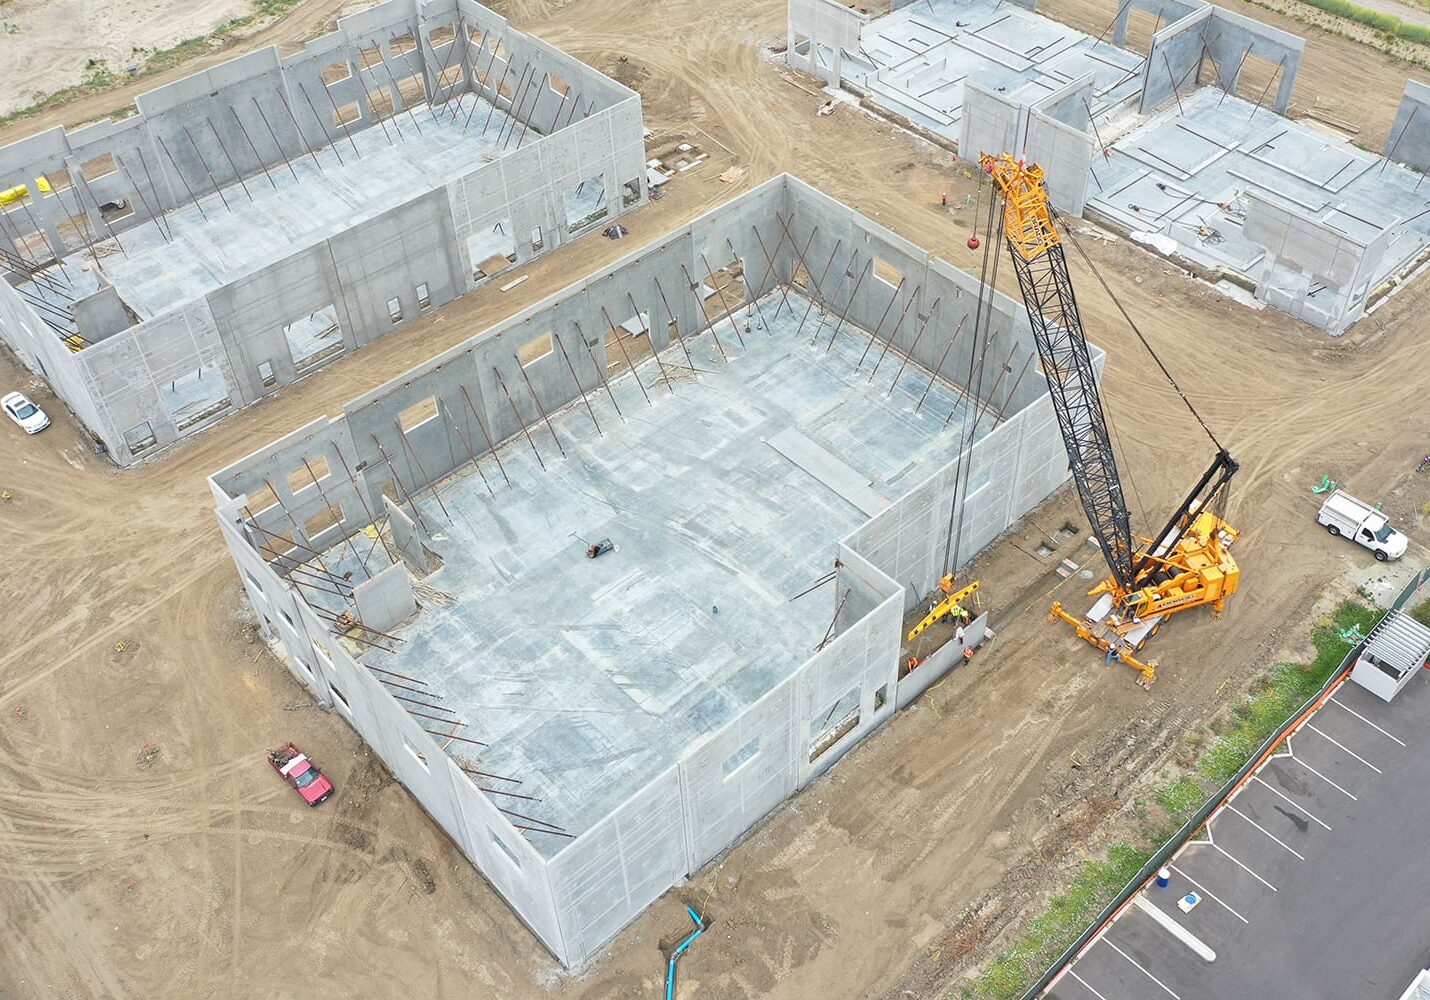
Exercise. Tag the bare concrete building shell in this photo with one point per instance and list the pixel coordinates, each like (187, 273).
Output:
(253, 221)
(781, 397)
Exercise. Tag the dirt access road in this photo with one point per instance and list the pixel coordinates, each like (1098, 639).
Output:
(192, 873)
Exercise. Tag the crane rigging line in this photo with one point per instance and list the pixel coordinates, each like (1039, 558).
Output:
(1115, 301)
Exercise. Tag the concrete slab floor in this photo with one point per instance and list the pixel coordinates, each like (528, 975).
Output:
(915, 60)
(393, 162)
(1207, 153)
(590, 677)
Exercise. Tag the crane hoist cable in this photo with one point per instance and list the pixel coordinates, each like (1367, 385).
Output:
(1067, 229)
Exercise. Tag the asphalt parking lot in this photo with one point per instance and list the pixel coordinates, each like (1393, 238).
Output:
(1313, 878)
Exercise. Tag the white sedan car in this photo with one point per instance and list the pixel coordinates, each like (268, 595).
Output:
(30, 417)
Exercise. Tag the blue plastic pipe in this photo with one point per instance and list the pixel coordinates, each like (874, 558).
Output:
(680, 950)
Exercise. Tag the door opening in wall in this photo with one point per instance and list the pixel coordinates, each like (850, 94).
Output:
(832, 725)
(492, 249)
(417, 414)
(727, 292)
(314, 338)
(195, 396)
(630, 192)
(585, 203)
(628, 342)
(311, 473)
(537, 243)
(266, 374)
(394, 310)
(140, 438)
(424, 298)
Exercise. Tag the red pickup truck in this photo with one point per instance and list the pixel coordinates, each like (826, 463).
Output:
(300, 772)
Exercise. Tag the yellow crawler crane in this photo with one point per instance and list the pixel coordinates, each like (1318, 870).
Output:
(1188, 563)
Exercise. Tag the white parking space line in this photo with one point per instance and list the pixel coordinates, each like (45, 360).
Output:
(1367, 721)
(1208, 893)
(1289, 755)
(1073, 973)
(1312, 727)
(1266, 831)
(1139, 968)
(1226, 854)
(1299, 808)
(1195, 944)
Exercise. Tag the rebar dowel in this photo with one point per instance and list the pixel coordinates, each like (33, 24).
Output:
(577, 379)
(675, 323)
(894, 333)
(539, 407)
(491, 445)
(933, 375)
(721, 296)
(367, 511)
(488, 774)
(404, 687)
(744, 279)
(227, 156)
(650, 339)
(204, 163)
(770, 267)
(600, 369)
(819, 286)
(533, 819)
(153, 217)
(694, 285)
(616, 332)
(514, 410)
(510, 795)
(324, 495)
(874, 337)
(442, 407)
(412, 454)
(403, 494)
(868, 266)
(254, 149)
(424, 704)
(337, 115)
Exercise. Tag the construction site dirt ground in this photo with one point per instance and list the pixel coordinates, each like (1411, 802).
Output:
(147, 850)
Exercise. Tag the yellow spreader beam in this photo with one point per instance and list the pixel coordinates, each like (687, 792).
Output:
(949, 605)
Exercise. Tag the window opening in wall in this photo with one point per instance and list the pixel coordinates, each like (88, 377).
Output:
(801, 277)
(887, 273)
(402, 44)
(140, 438)
(628, 340)
(339, 695)
(558, 84)
(413, 90)
(394, 310)
(832, 725)
(534, 350)
(75, 231)
(369, 56)
(33, 245)
(261, 499)
(100, 166)
(275, 546)
(801, 44)
(510, 854)
(304, 664)
(299, 480)
(266, 374)
(741, 757)
(536, 241)
(114, 211)
(417, 414)
(379, 103)
(424, 300)
(449, 77)
(441, 35)
(475, 34)
(336, 72)
(630, 193)
(492, 249)
(57, 180)
(497, 47)
(389, 490)
(254, 580)
(881, 696)
(421, 758)
(585, 203)
(322, 652)
(195, 396)
(286, 616)
(314, 338)
(325, 520)
(346, 113)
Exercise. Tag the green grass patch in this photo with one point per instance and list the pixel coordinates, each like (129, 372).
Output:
(1387, 24)
(1421, 613)
(1275, 697)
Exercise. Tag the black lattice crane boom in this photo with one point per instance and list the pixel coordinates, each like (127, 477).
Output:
(1186, 565)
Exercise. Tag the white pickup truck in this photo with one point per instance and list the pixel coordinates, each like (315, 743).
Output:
(1343, 514)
